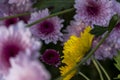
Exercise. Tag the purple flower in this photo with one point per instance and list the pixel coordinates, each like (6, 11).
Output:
(51, 57)
(47, 30)
(75, 28)
(110, 46)
(116, 6)
(97, 12)
(20, 2)
(23, 68)
(114, 37)
(14, 40)
(106, 50)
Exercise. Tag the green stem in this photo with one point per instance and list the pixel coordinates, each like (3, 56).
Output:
(52, 15)
(98, 69)
(14, 16)
(85, 58)
(84, 76)
(106, 74)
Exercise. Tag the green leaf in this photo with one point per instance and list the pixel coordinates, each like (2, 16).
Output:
(118, 1)
(117, 64)
(54, 5)
(98, 30)
(113, 22)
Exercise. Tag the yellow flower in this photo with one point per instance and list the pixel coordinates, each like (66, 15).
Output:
(74, 50)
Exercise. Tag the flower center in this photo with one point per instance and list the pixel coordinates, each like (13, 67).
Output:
(11, 21)
(10, 50)
(51, 57)
(117, 27)
(25, 18)
(92, 8)
(46, 27)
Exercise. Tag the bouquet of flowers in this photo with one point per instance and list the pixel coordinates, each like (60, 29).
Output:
(59, 39)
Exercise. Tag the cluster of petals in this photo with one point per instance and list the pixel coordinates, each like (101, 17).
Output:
(48, 30)
(92, 12)
(13, 41)
(27, 69)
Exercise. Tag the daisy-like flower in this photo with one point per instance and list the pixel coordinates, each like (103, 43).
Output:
(74, 29)
(51, 57)
(97, 12)
(47, 30)
(14, 40)
(26, 69)
(74, 50)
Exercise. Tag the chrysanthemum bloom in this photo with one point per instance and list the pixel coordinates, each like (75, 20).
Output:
(17, 7)
(51, 57)
(74, 50)
(74, 29)
(27, 69)
(14, 40)
(110, 46)
(116, 6)
(47, 30)
(114, 37)
(97, 12)
(106, 50)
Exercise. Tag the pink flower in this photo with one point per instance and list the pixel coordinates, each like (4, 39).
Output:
(27, 69)
(14, 40)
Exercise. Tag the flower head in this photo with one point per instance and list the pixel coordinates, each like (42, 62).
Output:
(74, 29)
(74, 50)
(47, 30)
(26, 69)
(97, 12)
(110, 46)
(52, 57)
(116, 6)
(106, 50)
(16, 39)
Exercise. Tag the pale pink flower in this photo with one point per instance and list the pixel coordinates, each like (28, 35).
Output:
(27, 69)
(14, 40)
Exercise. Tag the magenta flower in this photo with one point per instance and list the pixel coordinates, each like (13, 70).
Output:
(51, 57)
(47, 30)
(23, 68)
(97, 12)
(10, 21)
(14, 40)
